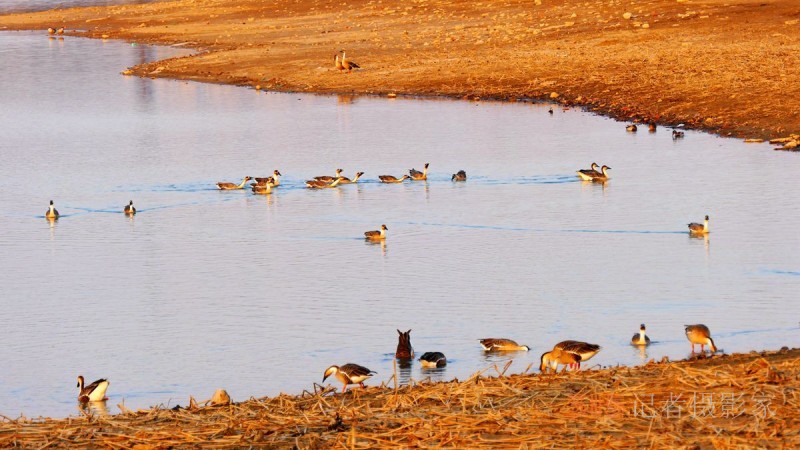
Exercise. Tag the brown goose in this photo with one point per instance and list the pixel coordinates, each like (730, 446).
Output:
(317, 184)
(651, 127)
(432, 360)
(129, 209)
(677, 134)
(228, 186)
(640, 338)
(589, 174)
(376, 235)
(347, 64)
(631, 128)
(501, 344)
(392, 179)
(338, 62)
(346, 180)
(52, 212)
(602, 175)
(700, 334)
(349, 374)
(274, 180)
(265, 188)
(697, 228)
(583, 349)
(417, 175)
(94, 392)
(404, 348)
(459, 176)
(552, 359)
(328, 178)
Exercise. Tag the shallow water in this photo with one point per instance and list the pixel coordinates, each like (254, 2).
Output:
(9, 6)
(259, 294)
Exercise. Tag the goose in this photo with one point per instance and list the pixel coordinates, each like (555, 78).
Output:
(94, 392)
(52, 212)
(60, 30)
(392, 179)
(51, 30)
(631, 128)
(228, 186)
(651, 127)
(677, 134)
(328, 178)
(275, 179)
(404, 348)
(338, 62)
(602, 175)
(432, 360)
(589, 174)
(349, 374)
(640, 338)
(377, 235)
(696, 228)
(265, 188)
(550, 111)
(129, 209)
(554, 358)
(417, 175)
(346, 180)
(459, 176)
(699, 334)
(500, 344)
(317, 184)
(585, 350)
(347, 64)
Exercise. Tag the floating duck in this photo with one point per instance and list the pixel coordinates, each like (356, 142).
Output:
(502, 345)
(392, 179)
(129, 209)
(347, 64)
(345, 180)
(631, 128)
(52, 212)
(94, 392)
(585, 350)
(228, 186)
(640, 338)
(265, 188)
(550, 111)
(349, 374)
(51, 30)
(377, 235)
(651, 127)
(274, 180)
(417, 175)
(589, 174)
(432, 360)
(601, 176)
(459, 176)
(317, 184)
(699, 334)
(677, 134)
(552, 359)
(328, 178)
(404, 348)
(696, 228)
(60, 30)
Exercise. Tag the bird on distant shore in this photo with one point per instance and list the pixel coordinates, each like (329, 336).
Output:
(52, 212)
(502, 344)
(640, 338)
(417, 175)
(60, 30)
(677, 134)
(631, 128)
(589, 174)
(51, 30)
(129, 209)
(349, 374)
(697, 228)
(550, 111)
(345, 180)
(585, 350)
(459, 176)
(347, 64)
(432, 360)
(338, 62)
(94, 392)
(392, 179)
(376, 235)
(328, 178)
(228, 186)
(700, 334)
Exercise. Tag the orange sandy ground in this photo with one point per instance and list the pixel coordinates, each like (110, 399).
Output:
(727, 66)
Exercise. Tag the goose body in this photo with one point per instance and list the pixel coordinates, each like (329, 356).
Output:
(651, 127)
(404, 348)
(328, 178)
(585, 350)
(433, 359)
(631, 128)
(345, 180)
(589, 174)
(602, 175)
(129, 209)
(228, 186)
(501, 344)
(417, 175)
(52, 212)
(392, 179)
(347, 64)
(677, 134)
(265, 188)
(274, 180)
(552, 359)
(700, 334)
(94, 392)
(377, 235)
(640, 338)
(459, 176)
(338, 62)
(349, 374)
(697, 228)
(317, 184)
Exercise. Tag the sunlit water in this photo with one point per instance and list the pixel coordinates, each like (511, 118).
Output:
(258, 295)
(9, 6)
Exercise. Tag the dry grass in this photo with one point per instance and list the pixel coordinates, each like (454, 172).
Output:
(739, 401)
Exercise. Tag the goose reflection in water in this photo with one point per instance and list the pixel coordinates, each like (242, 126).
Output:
(93, 408)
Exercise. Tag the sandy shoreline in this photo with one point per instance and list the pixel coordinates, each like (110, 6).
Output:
(721, 66)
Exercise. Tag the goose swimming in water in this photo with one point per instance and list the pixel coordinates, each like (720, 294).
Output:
(349, 374)
(317, 184)
(274, 180)
(700, 334)
(697, 228)
(640, 338)
(94, 392)
(651, 127)
(404, 348)
(432, 360)
(602, 175)
(228, 186)
(328, 178)
(677, 134)
(392, 179)
(52, 212)
(501, 344)
(129, 209)
(346, 180)
(377, 235)
(585, 350)
(417, 175)
(631, 128)
(459, 176)
(265, 188)
(589, 174)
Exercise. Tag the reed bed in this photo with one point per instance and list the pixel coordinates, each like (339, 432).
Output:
(721, 402)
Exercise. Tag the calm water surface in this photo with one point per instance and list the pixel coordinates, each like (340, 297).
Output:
(8, 6)
(259, 294)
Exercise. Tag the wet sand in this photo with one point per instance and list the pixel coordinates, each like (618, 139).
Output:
(727, 66)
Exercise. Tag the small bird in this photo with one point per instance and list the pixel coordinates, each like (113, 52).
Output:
(432, 360)
(228, 186)
(347, 64)
(459, 176)
(552, 359)
(696, 228)
(404, 348)
(349, 374)
(392, 179)
(417, 175)
(699, 334)
(94, 392)
(328, 178)
(317, 184)
(602, 176)
(274, 180)
(377, 235)
(501, 344)
(589, 174)
(585, 350)
(129, 209)
(677, 134)
(52, 212)
(640, 338)
(550, 111)
(265, 188)
(345, 180)
(631, 128)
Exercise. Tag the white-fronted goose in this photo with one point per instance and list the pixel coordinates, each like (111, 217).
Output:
(377, 234)
(697, 228)
(585, 350)
(552, 359)
(228, 186)
(349, 374)
(265, 188)
(602, 175)
(589, 174)
(700, 334)
(317, 184)
(432, 360)
(417, 175)
(640, 338)
(94, 392)
(502, 345)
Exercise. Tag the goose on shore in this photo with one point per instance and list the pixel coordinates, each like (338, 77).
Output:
(52, 212)
(640, 338)
(502, 345)
(328, 178)
(94, 392)
(700, 334)
(699, 228)
(585, 350)
(228, 186)
(345, 180)
(347, 64)
(589, 174)
(459, 176)
(432, 360)
(392, 179)
(375, 235)
(349, 374)
(129, 209)
(552, 359)
(338, 62)
(417, 175)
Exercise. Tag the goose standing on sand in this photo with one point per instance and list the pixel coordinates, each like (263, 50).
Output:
(417, 175)
(552, 359)
(392, 179)
(585, 350)
(52, 212)
(347, 64)
(601, 176)
(404, 348)
(431, 360)
(274, 180)
(697, 228)
(228, 186)
(502, 345)
(94, 392)
(589, 174)
(338, 62)
(129, 209)
(640, 338)
(345, 180)
(459, 176)
(377, 235)
(349, 374)
(700, 334)
(328, 178)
